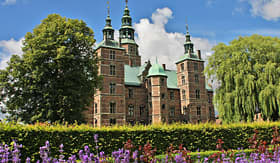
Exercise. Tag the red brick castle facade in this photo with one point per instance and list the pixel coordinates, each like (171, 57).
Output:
(147, 93)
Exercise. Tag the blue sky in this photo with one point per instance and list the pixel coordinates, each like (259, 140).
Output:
(159, 24)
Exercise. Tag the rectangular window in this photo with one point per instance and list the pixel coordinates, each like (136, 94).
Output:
(172, 111)
(142, 109)
(195, 65)
(209, 99)
(112, 55)
(198, 109)
(196, 78)
(197, 94)
(163, 106)
(184, 94)
(95, 108)
(183, 80)
(112, 122)
(130, 93)
(161, 81)
(130, 110)
(112, 70)
(162, 95)
(112, 107)
(182, 67)
(112, 88)
(172, 95)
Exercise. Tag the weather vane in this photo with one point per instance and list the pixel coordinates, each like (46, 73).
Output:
(187, 26)
(126, 2)
(108, 7)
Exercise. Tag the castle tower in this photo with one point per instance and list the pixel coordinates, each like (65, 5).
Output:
(127, 41)
(109, 102)
(158, 80)
(191, 81)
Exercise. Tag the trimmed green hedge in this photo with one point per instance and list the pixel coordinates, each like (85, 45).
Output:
(74, 138)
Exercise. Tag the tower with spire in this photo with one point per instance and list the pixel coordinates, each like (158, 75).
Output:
(149, 93)
(127, 34)
(194, 95)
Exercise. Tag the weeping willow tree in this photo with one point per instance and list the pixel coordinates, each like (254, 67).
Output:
(248, 73)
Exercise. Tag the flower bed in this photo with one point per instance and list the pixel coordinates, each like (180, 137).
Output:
(259, 152)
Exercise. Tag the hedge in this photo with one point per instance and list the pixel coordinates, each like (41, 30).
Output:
(75, 137)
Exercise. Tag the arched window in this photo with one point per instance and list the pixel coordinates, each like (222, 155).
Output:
(112, 107)
(183, 80)
(197, 94)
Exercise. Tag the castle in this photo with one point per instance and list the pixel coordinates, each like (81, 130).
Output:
(147, 93)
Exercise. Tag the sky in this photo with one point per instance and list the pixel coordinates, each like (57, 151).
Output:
(160, 24)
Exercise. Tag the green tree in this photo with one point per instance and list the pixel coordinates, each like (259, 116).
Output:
(248, 73)
(56, 77)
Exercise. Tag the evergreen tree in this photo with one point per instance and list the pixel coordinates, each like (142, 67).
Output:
(248, 73)
(56, 77)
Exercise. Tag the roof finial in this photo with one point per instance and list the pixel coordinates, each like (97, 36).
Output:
(108, 7)
(156, 60)
(187, 26)
(126, 2)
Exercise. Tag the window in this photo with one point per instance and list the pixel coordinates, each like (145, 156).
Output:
(210, 112)
(130, 110)
(162, 95)
(195, 65)
(196, 79)
(112, 88)
(197, 94)
(112, 122)
(142, 109)
(172, 111)
(185, 110)
(112, 70)
(209, 99)
(130, 93)
(184, 94)
(149, 82)
(112, 55)
(151, 105)
(95, 121)
(182, 67)
(163, 106)
(95, 108)
(198, 110)
(112, 107)
(150, 94)
(172, 95)
(183, 80)
(161, 81)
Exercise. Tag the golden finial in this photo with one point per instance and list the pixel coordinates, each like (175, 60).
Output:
(108, 7)
(126, 2)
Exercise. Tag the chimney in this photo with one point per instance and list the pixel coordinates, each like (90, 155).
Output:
(164, 66)
(199, 54)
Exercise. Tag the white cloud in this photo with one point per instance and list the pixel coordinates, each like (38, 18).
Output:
(9, 2)
(9, 47)
(268, 9)
(154, 41)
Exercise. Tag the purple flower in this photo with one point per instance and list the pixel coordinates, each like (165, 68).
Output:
(95, 138)
(135, 154)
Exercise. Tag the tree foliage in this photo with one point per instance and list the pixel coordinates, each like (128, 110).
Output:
(248, 73)
(56, 77)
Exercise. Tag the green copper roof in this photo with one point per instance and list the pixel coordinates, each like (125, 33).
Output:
(109, 44)
(192, 56)
(171, 79)
(130, 75)
(128, 41)
(156, 70)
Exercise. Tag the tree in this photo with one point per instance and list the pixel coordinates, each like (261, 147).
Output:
(56, 77)
(248, 73)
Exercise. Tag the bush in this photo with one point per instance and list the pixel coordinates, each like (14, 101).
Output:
(75, 137)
